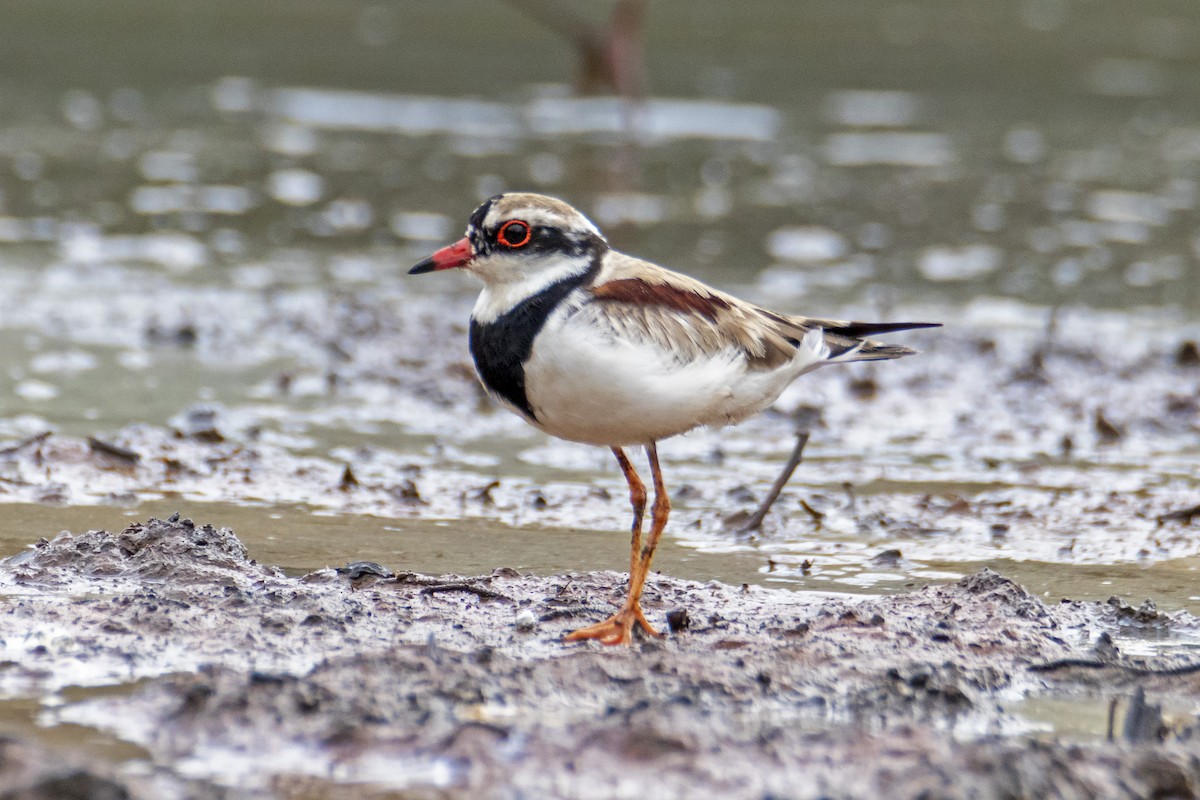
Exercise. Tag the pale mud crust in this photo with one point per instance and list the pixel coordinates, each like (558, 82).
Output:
(362, 682)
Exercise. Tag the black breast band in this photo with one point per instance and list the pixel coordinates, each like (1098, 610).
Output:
(501, 347)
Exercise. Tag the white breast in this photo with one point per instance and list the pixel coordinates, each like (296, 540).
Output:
(587, 385)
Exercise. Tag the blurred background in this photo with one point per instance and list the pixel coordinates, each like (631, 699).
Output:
(1045, 150)
(207, 209)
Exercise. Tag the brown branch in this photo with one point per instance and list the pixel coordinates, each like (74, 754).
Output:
(479, 591)
(113, 450)
(1183, 515)
(756, 519)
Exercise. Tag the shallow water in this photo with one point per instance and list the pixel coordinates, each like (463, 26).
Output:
(206, 213)
(300, 541)
(150, 216)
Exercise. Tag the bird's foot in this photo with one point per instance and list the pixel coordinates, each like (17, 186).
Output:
(617, 629)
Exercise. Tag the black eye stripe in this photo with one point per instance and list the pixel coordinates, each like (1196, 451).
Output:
(543, 240)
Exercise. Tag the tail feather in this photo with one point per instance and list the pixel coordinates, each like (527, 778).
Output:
(846, 341)
(868, 350)
(861, 330)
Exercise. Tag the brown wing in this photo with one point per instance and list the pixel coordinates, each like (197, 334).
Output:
(645, 302)
(681, 314)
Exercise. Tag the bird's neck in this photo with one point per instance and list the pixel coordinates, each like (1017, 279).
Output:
(503, 289)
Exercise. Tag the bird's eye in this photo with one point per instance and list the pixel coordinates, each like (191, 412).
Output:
(514, 233)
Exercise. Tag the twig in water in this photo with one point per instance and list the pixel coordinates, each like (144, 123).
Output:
(1112, 717)
(1183, 515)
(756, 519)
(1090, 663)
(37, 438)
(115, 451)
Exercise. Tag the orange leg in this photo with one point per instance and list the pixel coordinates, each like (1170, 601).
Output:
(637, 499)
(618, 629)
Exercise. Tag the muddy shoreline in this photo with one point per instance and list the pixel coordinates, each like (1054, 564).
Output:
(206, 218)
(238, 680)
(221, 676)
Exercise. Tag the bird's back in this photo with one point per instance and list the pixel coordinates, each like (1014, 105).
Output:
(683, 314)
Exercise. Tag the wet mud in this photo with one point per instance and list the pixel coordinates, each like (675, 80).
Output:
(203, 303)
(238, 680)
(980, 449)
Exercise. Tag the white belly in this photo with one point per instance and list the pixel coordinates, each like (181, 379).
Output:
(586, 386)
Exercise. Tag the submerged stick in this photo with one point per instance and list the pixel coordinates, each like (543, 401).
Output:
(756, 519)
(1183, 515)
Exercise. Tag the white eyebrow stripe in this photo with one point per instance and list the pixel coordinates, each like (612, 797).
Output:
(532, 216)
(539, 211)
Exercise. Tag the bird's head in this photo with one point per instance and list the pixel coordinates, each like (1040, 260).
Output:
(521, 238)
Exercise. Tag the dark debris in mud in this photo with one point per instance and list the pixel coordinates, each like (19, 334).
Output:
(454, 686)
(1184, 515)
(30, 773)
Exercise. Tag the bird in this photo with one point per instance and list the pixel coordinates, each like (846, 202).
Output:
(594, 346)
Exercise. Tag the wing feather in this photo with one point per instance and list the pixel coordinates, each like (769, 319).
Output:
(643, 302)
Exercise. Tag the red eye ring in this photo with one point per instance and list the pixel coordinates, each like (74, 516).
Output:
(504, 240)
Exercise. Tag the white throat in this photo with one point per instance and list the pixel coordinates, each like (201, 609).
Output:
(508, 281)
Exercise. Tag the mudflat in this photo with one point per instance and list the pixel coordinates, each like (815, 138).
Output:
(238, 680)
